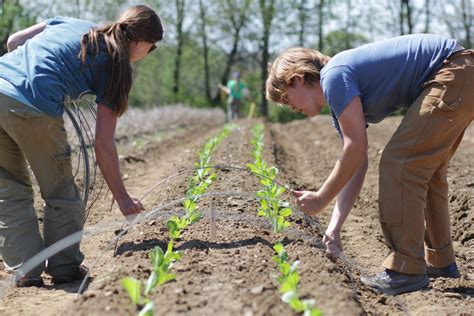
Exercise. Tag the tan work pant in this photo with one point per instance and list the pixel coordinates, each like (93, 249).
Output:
(29, 135)
(413, 188)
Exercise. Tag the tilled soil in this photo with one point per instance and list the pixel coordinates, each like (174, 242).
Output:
(229, 271)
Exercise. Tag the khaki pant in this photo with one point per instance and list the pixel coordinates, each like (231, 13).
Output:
(28, 135)
(413, 188)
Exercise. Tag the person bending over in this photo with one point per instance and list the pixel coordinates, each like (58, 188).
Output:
(432, 78)
(49, 64)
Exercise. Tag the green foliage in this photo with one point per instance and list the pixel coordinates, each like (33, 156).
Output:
(271, 206)
(289, 280)
(133, 288)
(340, 40)
(201, 180)
(161, 265)
(13, 18)
(283, 114)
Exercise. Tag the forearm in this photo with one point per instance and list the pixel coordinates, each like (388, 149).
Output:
(346, 199)
(351, 160)
(107, 159)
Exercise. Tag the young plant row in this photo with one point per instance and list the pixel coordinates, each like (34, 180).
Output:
(201, 180)
(289, 280)
(277, 210)
(271, 206)
(162, 262)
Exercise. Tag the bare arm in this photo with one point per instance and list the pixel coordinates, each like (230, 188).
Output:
(354, 154)
(344, 203)
(107, 159)
(20, 37)
(354, 151)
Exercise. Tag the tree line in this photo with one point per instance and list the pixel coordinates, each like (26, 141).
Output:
(206, 40)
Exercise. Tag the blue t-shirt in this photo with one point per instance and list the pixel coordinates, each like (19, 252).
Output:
(386, 75)
(46, 69)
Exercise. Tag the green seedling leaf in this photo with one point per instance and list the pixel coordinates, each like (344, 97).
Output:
(195, 217)
(133, 288)
(285, 212)
(171, 255)
(147, 310)
(285, 269)
(275, 206)
(172, 225)
(296, 304)
(313, 312)
(278, 247)
(287, 286)
(189, 206)
(157, 257)
(165, 277)
(280, 190)
(151, 283)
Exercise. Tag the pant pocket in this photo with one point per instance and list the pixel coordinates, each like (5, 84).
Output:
(445, 91)
(25, 112)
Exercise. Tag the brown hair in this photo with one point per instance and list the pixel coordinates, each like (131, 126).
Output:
(295, 61)
(138, 23)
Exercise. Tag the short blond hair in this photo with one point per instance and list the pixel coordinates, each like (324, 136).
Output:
(295, 61)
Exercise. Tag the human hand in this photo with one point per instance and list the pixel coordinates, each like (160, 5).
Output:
(310, 202)
(332, 241)
(130, 206)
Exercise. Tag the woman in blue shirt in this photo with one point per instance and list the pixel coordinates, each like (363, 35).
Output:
(49, 64)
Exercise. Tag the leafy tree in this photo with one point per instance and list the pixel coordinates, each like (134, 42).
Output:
(13, 18)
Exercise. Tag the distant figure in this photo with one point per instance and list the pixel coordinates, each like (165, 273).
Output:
(236, 91)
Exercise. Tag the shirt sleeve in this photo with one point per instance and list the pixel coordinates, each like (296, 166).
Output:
(100, 80)
(339, 87)
(56, 20)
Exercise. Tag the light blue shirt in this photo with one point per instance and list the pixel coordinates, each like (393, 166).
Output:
(386, 75)
(47, 72)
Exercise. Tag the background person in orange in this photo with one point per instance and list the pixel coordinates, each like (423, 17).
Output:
(432, 78)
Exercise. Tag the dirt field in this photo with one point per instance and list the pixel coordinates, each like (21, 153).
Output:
(232, 272)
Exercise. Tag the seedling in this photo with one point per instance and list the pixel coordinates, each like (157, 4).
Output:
(202, 179)
(271, 206)
(289, 280)
(161, 265)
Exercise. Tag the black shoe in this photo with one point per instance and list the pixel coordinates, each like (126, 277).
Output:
(393, 283)
(78, 275)
(450, 271)
(27, 281)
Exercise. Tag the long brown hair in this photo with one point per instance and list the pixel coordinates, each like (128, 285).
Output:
(138, 23)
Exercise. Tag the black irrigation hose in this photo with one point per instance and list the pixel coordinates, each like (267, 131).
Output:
(86, 137)
(83, 150)
(221, 167)
(218, 166)
(85, 124)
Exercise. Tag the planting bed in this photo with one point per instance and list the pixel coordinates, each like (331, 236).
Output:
(230, 270)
